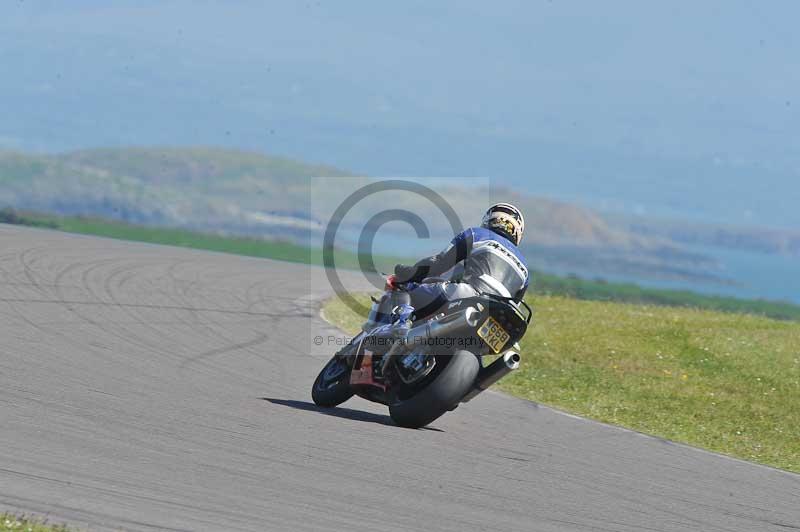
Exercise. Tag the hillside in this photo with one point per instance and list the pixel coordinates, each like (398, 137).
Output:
(201, 188)
(764, 240)
(249, 194)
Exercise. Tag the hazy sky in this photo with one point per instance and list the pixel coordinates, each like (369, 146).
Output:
(677, 108)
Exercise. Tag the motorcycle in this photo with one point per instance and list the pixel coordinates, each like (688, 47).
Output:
(423, 368)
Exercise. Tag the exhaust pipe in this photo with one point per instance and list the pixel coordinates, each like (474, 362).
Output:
(447, 326)
(493, 373)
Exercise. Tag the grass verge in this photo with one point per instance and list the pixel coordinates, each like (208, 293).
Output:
(11, 522)
(726, 382)
(250, 247)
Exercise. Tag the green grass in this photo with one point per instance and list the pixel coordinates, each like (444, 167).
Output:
(251, 247)
(10, 216)
(726, 382)
(574, 287)
(11, 522)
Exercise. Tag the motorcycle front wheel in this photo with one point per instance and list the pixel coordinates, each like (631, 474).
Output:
(448, 387)
(332, 385)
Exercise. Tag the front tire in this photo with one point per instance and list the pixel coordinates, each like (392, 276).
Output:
(332, 385)
(443, 394)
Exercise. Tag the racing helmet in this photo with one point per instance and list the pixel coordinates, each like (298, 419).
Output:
(506, 220)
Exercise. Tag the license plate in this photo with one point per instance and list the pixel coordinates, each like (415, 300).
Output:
(493, 334)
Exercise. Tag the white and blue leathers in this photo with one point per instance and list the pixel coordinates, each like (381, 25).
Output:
(489, 263)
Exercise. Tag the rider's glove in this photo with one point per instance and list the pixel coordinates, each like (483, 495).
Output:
(391, 282)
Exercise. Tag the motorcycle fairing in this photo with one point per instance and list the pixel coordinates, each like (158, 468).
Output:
(363, 371)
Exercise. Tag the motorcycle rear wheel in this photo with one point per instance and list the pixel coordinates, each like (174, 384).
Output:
(449, 386)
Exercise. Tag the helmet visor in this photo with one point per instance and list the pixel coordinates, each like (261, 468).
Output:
(513, 212)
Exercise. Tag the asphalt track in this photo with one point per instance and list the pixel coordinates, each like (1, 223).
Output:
(155, 388)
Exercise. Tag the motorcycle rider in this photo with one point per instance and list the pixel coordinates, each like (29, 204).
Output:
(488, 257)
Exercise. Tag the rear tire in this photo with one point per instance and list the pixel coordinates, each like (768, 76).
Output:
(332, 385)
(443, 394)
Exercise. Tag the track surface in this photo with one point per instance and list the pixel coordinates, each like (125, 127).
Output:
(146, 387)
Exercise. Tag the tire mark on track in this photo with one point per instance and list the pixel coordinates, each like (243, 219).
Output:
(222, 350)
(139, 306)
(275, 369)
